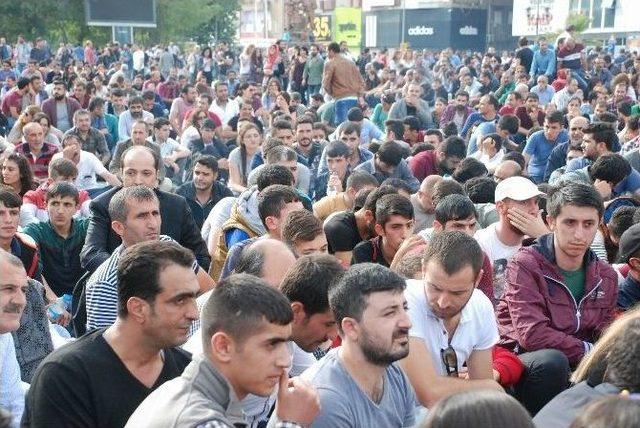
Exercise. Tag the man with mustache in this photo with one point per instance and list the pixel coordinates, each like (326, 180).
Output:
(453, 321)
(127, 118)
(559, 296)
(60, 108)
(13, 289)
(360, 384)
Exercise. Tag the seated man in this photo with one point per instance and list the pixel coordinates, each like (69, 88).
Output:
(360, 384)
(453, 323)
(246, 326)
(388, 162)
(140, 166)
(60, 239)
(333, 181)
(347, 229)
(558, 297)
(100, 379)
(394, 223)
(629, 253)
(439, 162)
(135, 217)
(34, 207)
(303, 233)
(88, 164)
(350, 135)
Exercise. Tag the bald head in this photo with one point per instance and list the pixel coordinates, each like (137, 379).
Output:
(576, 126)
(140, 167)
(507, 169)
(268, 259)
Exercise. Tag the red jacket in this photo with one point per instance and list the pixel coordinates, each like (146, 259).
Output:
(537, 310)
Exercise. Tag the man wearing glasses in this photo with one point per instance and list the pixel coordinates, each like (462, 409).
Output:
(453, 325)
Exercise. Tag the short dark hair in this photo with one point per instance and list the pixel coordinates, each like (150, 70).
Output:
(159, 122)
(23, 82)
(610, 167)
(412, 122)
(509, 122)
(375, 194)
(399, 184)
(355, 114)
(136, 100)
(62, 189)
(149, 95)
(9, 198)
(251, 261)
(207, 161)
(337, 148)
(517, 157)
(389, 205)
(62, 167)
(334, 47)
(310, 280)
(454, 146)
(602, 133)
(282, 124)
(390, 153)
(454, 207)
(481, 190)
(496, 138)
(118, 206)
(96, 102)
(274, 174)
(621, 220)
(361, 179)
(396, 126)
(273, 199)
(454, 251)
(348, 298)
(280, 153)
(493, 101)
(238, 306)
(624, 108)
(140, 267)
(555, 117)
(435, 132)
(444, 188)
(300, 225)
(468, 169)
(350, 128)
(573, 193)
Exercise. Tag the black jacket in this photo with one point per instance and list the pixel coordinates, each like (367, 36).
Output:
(177, 222)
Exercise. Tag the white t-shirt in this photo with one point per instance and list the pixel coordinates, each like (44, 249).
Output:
(88, 167)
(498, 253)
(476, 331)
(227, 112)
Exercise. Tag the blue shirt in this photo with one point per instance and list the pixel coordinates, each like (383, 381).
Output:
(539, 149)
(474, 119)
(628, 293)
(543, 63)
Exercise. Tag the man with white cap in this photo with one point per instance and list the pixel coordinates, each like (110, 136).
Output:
(518, 216)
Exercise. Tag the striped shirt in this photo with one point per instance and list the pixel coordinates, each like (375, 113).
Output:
(102, 290)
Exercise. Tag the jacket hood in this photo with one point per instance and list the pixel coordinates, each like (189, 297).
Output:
(247, 208)
(544, 245)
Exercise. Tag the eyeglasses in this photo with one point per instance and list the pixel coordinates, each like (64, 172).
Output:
(450, 361)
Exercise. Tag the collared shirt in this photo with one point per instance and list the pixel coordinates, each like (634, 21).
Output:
(230, 109)
(102, 290)
(94, 142)
(477, 329)
(39, 163)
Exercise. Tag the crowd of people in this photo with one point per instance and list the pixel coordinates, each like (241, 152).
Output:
(201, 236)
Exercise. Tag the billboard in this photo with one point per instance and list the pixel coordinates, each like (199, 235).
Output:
(469, 29)
(443, 28)
(322, 28)
(348, 25)
(108, 13)
(533, 17)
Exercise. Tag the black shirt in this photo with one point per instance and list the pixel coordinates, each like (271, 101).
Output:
(201, 212)
(369, 252)
(525, 55)
(85, 384)
(342, 232)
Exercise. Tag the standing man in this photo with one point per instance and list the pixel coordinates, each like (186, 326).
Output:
(100, 379)
(223, 107)
(181, 105)
(312, 73)
(204, 191)
(559, 296)
(360, 384)
(60, 108)
(342, 81)
(91, 140)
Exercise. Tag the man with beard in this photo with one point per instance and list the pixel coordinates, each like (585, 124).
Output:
(439, 162)
(101, 378)
(139, 134)
(559, 295)
(204, 191)
(305, 147)
(13, 290)
(92, 140)
(312, 73)
(360, 384)
(60, 108)
(558, 156)
(181, 105)
(458, 111)
(453, 324)
(517, 204)
(127, 118)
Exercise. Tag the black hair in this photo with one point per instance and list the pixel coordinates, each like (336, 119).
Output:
(435, 132)
(62, 189)
(348, 298)
(468, 169)
(391, 153)
(337, 148)
(573, 193)
(454, 207)
(621, 220)
(140, 267)
(273, 199)
(555, 117)
(350, 128)
(300, 225)
(27, 180)
(496, 138)
(274, 174)
(453, 251)
(624, 108)
(454, 146)
(310, 280)
(372, 198)
(118, 206)
(360, 179)
(396, 126)
(389, 205)
(334, 47)
(355, 114)
(517, 157)
(398, 183)
(9, 198)
(602, 133)
(609, 411)
(493, 101)
(208, 161)
(509, 123)
(450, 130)
(444, 188)
(481, 190)
(239, 305)
(610, 167)
(412, 122)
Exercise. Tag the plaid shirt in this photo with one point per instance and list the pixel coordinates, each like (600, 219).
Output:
(40, 163)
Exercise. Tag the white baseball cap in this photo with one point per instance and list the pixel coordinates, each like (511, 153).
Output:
(516, 188)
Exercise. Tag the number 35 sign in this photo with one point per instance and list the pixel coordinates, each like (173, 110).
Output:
(322, 28)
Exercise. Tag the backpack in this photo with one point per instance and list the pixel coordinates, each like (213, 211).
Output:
(79, 306)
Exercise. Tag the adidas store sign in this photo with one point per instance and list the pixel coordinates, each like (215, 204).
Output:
(420, 31)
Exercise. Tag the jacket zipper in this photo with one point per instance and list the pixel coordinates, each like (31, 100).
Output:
(575, 303)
